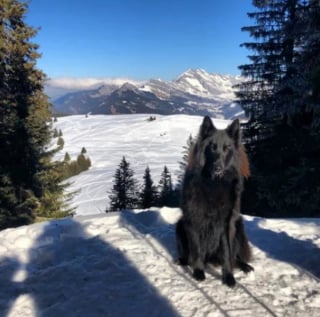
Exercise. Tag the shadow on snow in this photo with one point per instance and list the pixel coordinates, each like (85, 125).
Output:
(71, 274)
(280, 246)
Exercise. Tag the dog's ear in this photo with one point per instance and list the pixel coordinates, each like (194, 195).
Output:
(207, 128)
(234, 131)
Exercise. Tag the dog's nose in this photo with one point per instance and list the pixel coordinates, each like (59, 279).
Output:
(218, 170)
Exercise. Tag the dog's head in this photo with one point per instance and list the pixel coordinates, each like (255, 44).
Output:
(216, 151)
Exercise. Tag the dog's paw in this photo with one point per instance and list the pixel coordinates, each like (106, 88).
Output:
(198, 275)
(246, 268)
(181, 261)
(229, 280)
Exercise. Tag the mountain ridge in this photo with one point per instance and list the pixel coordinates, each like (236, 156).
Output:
(194, 92)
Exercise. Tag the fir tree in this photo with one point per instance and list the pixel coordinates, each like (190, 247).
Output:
(185, 157)
(267, 94)
(83, 150)
(60, 143)
(148, 195)
(24, 117)
(124, 193)
(55, 133)
(67, 157)
(281, 139)
(83, 162)
(165, 188)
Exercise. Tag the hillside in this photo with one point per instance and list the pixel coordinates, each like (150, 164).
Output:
(194, 92)
(109, 138)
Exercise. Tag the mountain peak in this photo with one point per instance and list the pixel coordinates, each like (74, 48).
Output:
(127, 86)
(193, 72)
(194, 92)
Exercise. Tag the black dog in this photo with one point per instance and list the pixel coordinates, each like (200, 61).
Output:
(211, 229)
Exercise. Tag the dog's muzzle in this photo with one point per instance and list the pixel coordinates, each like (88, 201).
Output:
(218, 171)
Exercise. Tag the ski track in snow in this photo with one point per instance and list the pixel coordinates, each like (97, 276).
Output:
(122, 264)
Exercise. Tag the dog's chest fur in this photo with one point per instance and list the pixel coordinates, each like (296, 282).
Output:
(208, 203)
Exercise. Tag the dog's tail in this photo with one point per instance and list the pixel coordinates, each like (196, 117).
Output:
(242, 243)
(244, 162)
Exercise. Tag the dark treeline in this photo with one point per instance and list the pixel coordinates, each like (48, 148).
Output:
(30, 182)
(281, 97)
(126, 192)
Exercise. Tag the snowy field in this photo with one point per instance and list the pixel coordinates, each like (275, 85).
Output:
(108, 138)
(122, 264)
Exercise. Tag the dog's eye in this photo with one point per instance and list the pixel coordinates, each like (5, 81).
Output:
(214, 146)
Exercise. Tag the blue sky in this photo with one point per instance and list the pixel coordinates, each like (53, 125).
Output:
(139, 39)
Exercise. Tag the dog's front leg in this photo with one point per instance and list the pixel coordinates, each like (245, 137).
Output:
(195, 255)
(227, 275)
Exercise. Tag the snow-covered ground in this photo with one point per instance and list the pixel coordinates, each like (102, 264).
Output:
(108, 138)
(122, 264)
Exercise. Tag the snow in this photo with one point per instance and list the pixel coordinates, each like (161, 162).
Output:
(123, 263)
(108, 138)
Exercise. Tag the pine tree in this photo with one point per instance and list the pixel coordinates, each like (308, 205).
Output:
(55, 133)
(267, 94)
(67, 157)
(148, 195)
(281, 140)
(24, 116)
(60, 143)
(185, 157)
(83, 162)
(124, 192)
(165, 188)
(83, 150)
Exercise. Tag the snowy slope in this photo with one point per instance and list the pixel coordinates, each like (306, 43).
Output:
(199, 82)
(122, 264)
(108, 138)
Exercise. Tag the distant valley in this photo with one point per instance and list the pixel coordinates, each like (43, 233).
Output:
(194, 92)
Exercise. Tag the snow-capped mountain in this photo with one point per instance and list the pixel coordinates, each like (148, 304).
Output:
(193, 92)
(199, 82)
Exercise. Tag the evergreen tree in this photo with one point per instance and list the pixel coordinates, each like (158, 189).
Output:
(185, 157)
(165, 188)
(67, 157)
(74, 167)
(267, 95)
(83, 162)
(148, 196)
(55, 133)
(24, 115)
(281, 140)
(123, 194)
(60, 143)
(83, 150)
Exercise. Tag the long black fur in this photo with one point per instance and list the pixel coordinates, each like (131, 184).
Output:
(211, 229)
